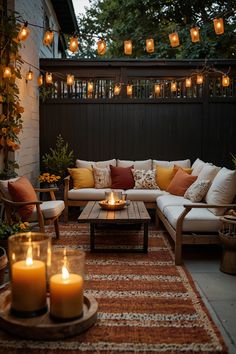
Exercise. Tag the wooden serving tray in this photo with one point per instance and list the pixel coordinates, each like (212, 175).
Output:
(44, 327)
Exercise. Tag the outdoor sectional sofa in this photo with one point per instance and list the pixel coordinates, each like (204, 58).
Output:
(188, 221)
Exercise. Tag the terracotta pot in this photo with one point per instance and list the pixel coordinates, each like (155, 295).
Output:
(3, 264)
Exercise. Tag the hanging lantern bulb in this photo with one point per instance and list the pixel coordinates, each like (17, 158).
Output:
(74, 44)
(49, 78)
(48, 37)
(218, 25)
(24, 32)
(90, 87)
(225, 81)
(101, 47)
(157, 89)
(6, 72)
(128, 47)
(174, 39)
(40, 80)
(129, 90)
(70, 80)
(29, 75)
(173, 86)
(188, 82)
(117, 89)
(195, 36)
(150, 45)
(199, 79)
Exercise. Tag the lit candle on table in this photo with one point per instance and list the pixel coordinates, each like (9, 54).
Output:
(28, 285)
(111, 200)
(66, 294)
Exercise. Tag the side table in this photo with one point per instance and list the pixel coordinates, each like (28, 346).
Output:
(228, 239)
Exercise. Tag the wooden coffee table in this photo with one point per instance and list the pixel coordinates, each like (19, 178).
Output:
(134, 213)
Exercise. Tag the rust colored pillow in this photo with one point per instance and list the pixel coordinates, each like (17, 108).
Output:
(122, 177)
(180, 183)
(23, 191)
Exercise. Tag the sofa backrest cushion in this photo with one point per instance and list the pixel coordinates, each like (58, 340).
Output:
(82, 177)
(182, 163)
(208, 172)
(122, 177)
(89, 164)
(138, 165)
(180, 183)
(22, 190)
(102, 177)
(145, 179)
(197, 191)
(164, 176)
(197, 166)
(222, 190)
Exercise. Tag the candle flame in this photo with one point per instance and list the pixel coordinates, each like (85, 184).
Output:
(111, 201)
(65, 273)
(29, 256)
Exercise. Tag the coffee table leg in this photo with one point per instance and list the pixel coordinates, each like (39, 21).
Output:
(145, 237)
(92, 237)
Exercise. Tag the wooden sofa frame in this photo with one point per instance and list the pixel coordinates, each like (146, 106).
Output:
(181, 238)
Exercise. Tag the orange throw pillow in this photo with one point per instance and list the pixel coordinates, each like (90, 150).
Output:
(180, 183)
(22, 191)
(164, 176)
(188, 170)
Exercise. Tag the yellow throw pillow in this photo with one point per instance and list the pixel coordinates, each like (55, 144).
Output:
(82, 177)
(164, 176)
(187, 170)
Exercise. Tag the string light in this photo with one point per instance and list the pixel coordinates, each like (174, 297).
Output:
(70, 80)
(157, 89)
(24, 32)
(40, 80)
(218, 25)
(101, 47)
(225, 81)
(173, 86)
(174, 39)
(129, 90)
(150, 45)
(7, 72)
(48, 37)
(194, 33)
(49, 78)
(128, 47)
(188, 82)
(29, 75)
(117, 90)
(74, 44)
(90, 87)
(199, 79)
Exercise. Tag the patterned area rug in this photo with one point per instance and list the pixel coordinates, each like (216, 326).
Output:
(146, 303)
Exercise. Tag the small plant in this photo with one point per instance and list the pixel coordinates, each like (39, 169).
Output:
(234, 160)
(59, 158)
(48, 178)
(7, 230)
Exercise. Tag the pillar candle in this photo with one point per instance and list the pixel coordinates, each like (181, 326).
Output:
(66, 296)
(28, 286)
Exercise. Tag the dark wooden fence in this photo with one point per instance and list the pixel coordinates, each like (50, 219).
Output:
(199, 121)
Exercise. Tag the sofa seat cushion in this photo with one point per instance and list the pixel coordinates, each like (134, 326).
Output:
(197, 220)
(88, 193)
(145, 195)
(170, 200)
(49, 209)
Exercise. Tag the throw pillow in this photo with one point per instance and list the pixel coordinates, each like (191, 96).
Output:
(197, 167)
(197, 191)
(22, 190)
(82, 177)
(222, 190)
(145, 179)
(180, 183)
(208, 172)
(102, 177)
(185, 169)
(164, 176)
(4, 187)
(122, 177)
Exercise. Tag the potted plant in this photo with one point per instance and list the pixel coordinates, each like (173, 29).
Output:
(48, 180)
(7, 230)
(234, 160)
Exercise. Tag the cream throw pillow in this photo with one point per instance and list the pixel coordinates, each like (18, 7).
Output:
(197, 191)
(197, 167)
(102, 177)
(145, 179)
(222, 190)
(208, 172)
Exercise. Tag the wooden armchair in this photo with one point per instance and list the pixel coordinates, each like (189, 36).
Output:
(44, 213)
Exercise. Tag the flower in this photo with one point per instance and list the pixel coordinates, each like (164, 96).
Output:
(7, 229)
(48, 178)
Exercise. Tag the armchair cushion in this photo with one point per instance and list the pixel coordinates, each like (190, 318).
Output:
(22, 190)
(50, 209)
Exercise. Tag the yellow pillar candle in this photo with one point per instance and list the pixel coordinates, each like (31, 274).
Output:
(66, 295)
(28, 286)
